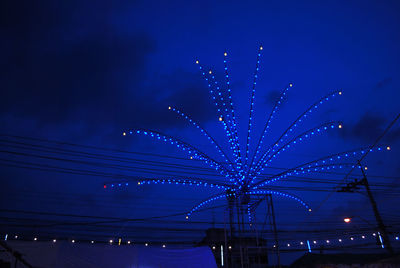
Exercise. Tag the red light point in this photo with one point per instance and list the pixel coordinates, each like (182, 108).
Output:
(105, 186)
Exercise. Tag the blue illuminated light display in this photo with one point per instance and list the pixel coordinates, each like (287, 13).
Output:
(244, 175)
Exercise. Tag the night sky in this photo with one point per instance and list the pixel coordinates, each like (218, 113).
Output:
(76, 74)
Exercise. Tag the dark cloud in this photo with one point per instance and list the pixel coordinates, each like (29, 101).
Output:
(393, 135)
(64, 65)
(383, 83)
(185, 91)
(50, 69)
(272, 97)
(370, 127)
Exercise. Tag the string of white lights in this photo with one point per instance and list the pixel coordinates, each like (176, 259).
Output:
(338, 240)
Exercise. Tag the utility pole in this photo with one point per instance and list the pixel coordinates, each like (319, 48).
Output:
(231, 204)
(350, 187)
(364, 181)
(238, 202)
(226, 252)
(271, 208)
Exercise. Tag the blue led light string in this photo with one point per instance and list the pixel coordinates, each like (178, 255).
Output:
(206, 134)
(217, 98)
(229, 125)
(251, 192)
(251, 207)
(339, 156)
(253, 94)
(323, 160)
(235, 178)
(115, 184)
(301, 137)
(203, 203)
(187, 182)
(215, 92)
(233, 117)
(336, 157)
(295, 123)
(265, 192)
(219, 95)
(301, 170)
(266, 126)
(249, 212)
(222, 109)
(192, 151)
(305, 135)
(210, 88)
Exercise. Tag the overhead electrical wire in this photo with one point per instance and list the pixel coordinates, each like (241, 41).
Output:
(198, 170)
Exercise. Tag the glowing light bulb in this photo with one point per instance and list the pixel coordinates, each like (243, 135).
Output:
(54, 240)
(230, 247)
(111, 241)
(220, 119)
(146, 244)
(124, 134)
(340, 240)
(35, 239)
(225, 54)
(197, 62)
(309, 209)
(363, 236)
(388, 148)
(191, 157)
(351, 238)
(340, 126)
(213, 247)
(290, 85)
(73, 241)
(92, 242)
(301, 243)
(210, 72)
(187, 217)
(138, 183)
(347, 220)
(129, 242)
(261, 48)
(169, 107)
(365, 168)
(340, 92)
(163, 246)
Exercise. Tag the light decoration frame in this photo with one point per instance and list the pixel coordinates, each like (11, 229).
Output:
(244, 174)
